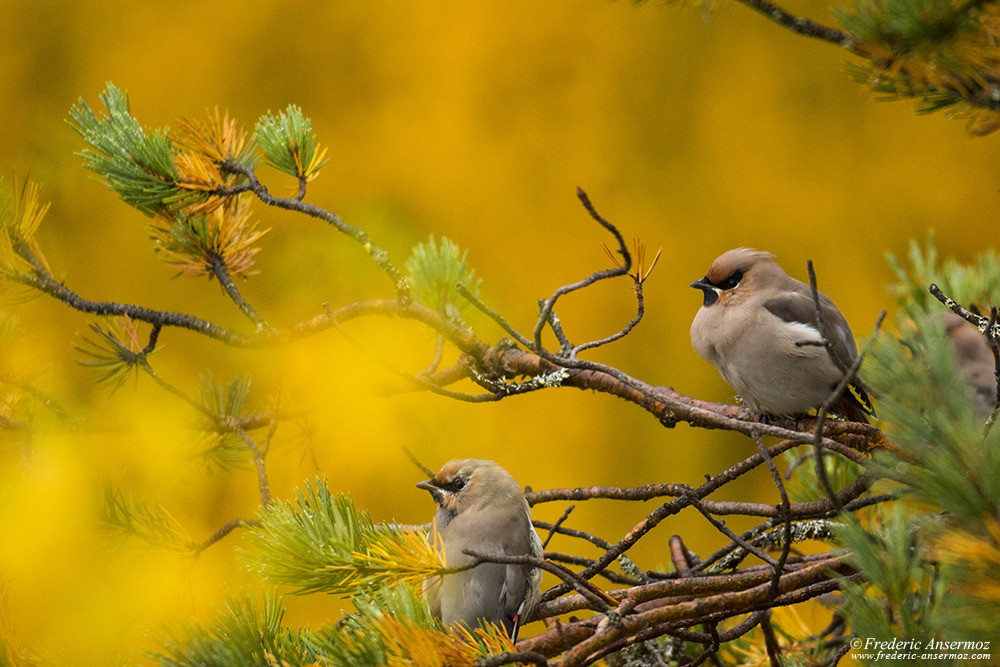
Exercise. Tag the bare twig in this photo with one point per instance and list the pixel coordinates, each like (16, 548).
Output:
(978, 321)
(559, 522)
(514, 658)
(724, 529)
(43, 281)
(380, 256)
(565, 347)
(259, 454)
(597, 598)
(610, 575)
(223, 532)
(221, 273)
(550, 303)
(678, 554)
(770, 641)
(786, 516)
(415, 461)
(641, 309)
(802, 26)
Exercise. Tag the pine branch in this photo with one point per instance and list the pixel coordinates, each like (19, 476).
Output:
(322, 543)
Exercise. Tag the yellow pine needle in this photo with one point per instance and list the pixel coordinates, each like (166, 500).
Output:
(20, 224)
(611, 255)
(311, 170)
(393, 557)
(317, 161)
(641, 273)
(219, 139)
(202, 146)
(410, 644)
(129, 331)
(227, 235)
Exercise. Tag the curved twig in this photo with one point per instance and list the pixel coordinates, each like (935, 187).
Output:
(622, 270)
(380, 256)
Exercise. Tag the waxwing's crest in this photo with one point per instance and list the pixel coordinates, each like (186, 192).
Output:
(738, 259)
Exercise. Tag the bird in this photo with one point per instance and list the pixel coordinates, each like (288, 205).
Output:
(758, 327)
(482, 509)
(975, 362)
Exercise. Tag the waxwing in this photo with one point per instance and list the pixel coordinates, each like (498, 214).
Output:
(975, 362)
(481, 508)
(758, 326)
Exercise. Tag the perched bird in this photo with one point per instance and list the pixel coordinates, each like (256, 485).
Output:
(759, 327)
(975, 362)
(481, 508)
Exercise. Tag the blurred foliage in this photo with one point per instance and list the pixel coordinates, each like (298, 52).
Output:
(932, 561)
(150, 523)
(392, 626)
(976, 285)
(434, 271)
(484, 113)
(224, 447)
(20, 214)
(115, 353)
(941, 52)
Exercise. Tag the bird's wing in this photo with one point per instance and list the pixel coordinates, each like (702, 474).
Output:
(797, 307)
(523, 587)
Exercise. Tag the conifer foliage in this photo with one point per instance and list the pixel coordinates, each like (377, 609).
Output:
(903, 515)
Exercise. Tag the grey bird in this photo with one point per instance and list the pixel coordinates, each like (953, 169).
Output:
(758, 326)
(975, 362)
(481, 508)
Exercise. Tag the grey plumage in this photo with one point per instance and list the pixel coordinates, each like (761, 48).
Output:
(481, 508)
(758, 326)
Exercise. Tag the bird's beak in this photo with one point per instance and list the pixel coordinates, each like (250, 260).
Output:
(430, 486)
(701, 283)
(711, 293)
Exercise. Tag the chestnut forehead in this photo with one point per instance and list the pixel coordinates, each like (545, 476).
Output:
(457, 468)
(738, 259)
(720, 271)
(447, 473)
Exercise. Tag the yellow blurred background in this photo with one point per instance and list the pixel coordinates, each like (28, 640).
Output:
(692, 131)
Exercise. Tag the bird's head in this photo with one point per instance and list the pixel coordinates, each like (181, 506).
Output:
(733, 275)
(464, 484)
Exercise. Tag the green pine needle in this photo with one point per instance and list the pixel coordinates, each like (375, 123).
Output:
(244, 633)
(225, 449)
(247, 632)
(150, 523)
(289, 144)
(434, 271)
(112, 359)
(322, 543)
(138, 166)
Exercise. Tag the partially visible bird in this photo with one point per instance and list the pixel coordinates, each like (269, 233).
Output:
(481, 508)
(975, 362)
(758, 326)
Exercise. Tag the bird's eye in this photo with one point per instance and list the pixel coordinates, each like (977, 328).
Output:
(458, 484)
(732, 281)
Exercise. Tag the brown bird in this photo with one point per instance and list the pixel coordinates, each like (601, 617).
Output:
(758, 326)
(482, 509)
(975, 362)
